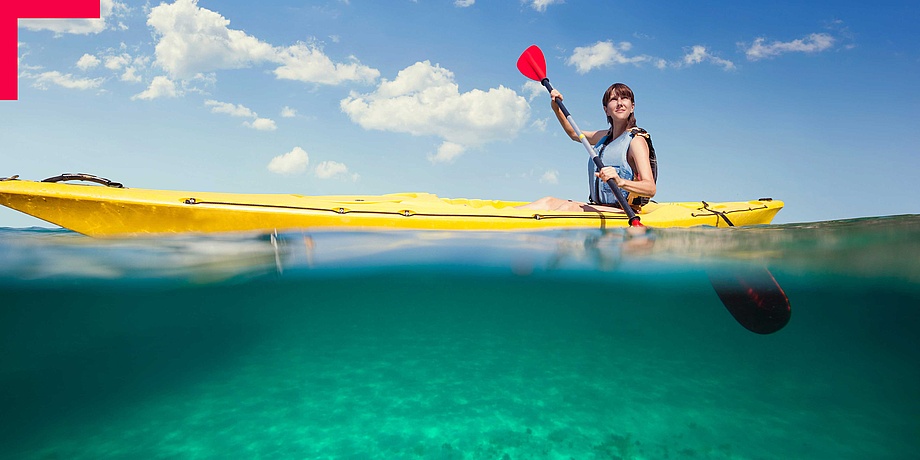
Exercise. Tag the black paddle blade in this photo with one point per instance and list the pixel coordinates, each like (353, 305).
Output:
(754, 299)
(532, 63)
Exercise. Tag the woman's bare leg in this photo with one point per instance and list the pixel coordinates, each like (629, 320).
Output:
(549, 203)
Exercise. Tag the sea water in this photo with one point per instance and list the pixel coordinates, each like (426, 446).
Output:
(441, 345)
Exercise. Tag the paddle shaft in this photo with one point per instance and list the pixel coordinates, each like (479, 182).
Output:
(633, 218)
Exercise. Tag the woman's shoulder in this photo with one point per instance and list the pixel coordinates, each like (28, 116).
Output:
(640, 140)
(594, 137)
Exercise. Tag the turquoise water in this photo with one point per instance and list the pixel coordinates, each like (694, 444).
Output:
(433, 345)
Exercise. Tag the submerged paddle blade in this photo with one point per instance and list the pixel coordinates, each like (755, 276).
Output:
(532, 63)
(754, 299)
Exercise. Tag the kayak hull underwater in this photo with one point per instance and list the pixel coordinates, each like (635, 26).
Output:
(98, 210)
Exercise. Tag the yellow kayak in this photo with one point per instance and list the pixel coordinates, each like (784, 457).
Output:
(112, 210)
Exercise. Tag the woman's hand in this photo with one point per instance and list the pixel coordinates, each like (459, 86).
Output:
(609, 172)
(555, 94)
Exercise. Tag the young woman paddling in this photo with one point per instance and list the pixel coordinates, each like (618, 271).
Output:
(624, 149)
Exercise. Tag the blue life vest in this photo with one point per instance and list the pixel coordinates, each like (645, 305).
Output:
(613, 153)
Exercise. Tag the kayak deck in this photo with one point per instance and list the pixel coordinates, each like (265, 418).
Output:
(109, 211)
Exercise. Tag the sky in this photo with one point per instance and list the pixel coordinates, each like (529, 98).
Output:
(813, 103)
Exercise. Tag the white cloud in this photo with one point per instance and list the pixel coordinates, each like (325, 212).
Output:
(108, 9)
(193, 40)
(123, 63)
(20, 54)
(130, 75)
(424, 100)
(287, 112)
(534, 90)
(201, 83)
(550, 177)
(196, 40)
(699, 53)
(65, 80)
(813, 43)
(160, 87)
(87, 61)
(447, 153)
(239, 110)
(261, 124)
(540, 5)
(230, 109)
(307, 63)
(602, 54)
(331, 169)
(24, 67)
(293, 162)
(116, 62)
(464, 3)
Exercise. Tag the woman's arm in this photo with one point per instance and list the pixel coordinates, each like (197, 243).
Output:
(592, 136)
(638, 157)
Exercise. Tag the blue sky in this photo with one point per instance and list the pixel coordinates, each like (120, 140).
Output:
(815, 103)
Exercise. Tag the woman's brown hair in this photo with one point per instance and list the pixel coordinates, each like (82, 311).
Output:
(618, 90)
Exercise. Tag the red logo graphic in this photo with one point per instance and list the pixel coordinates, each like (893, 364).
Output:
(10, 13)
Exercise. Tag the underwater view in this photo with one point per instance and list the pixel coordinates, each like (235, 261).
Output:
(571, 344)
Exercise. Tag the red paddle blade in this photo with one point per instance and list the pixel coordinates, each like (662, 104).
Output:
(532, 63)
(754, 298)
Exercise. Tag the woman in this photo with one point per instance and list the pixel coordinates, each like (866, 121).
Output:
(626, 156)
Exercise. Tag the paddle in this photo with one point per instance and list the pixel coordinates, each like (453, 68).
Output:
(532, 64)
(753, 298)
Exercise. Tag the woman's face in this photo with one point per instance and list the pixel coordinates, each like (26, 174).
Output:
(619, 107)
